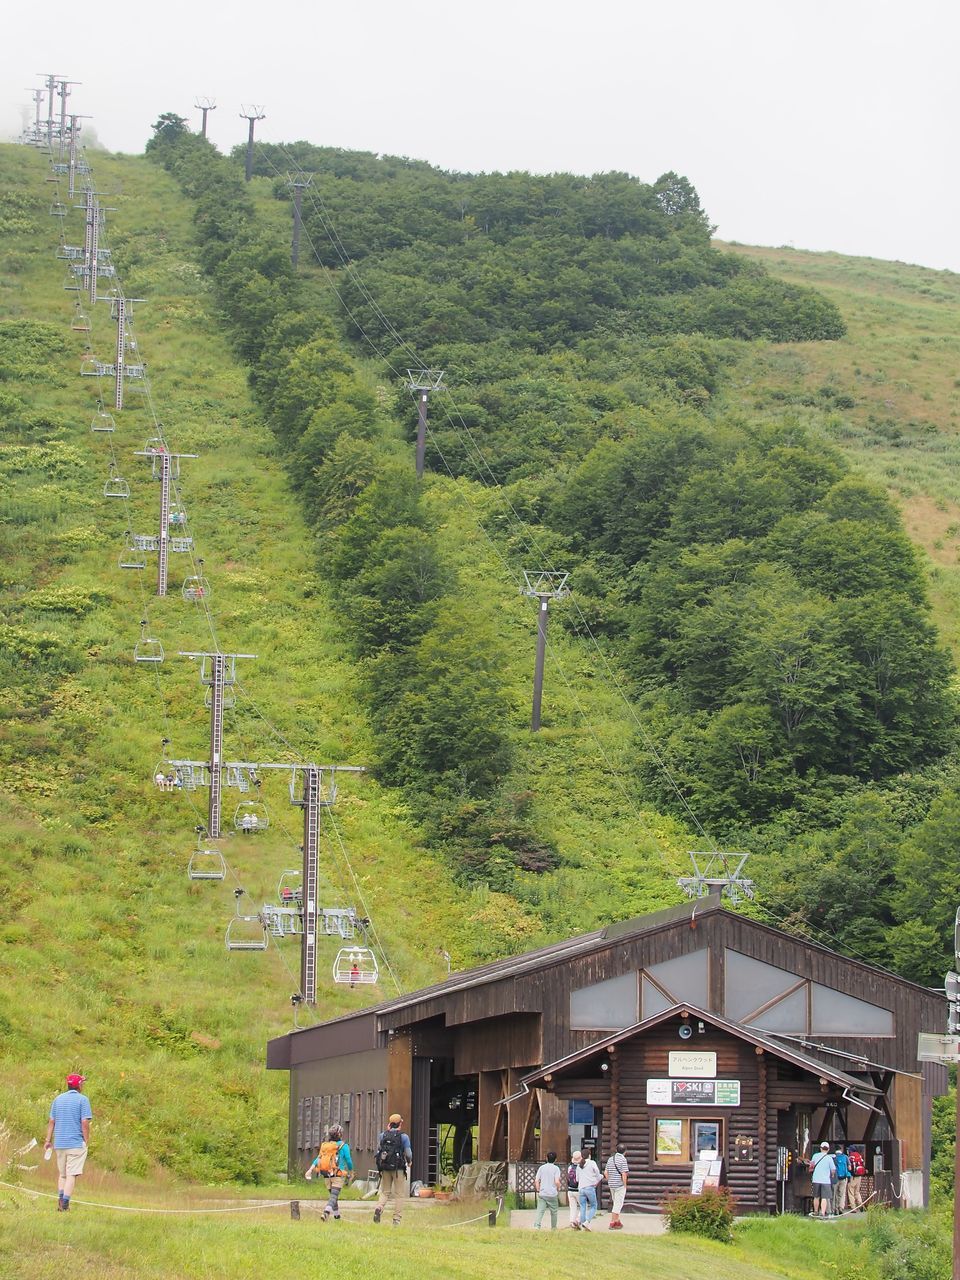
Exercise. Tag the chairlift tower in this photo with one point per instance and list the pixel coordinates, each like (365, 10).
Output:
(73, 166)
(718, 871)
(218, 671)
(205, 105)
(63, 93)
(543, 586)
(299, 182)
(96, 262)
(51, 88)
(251, 114)
(122, 368)
(35, 137)
(422, 382)
(166, 467)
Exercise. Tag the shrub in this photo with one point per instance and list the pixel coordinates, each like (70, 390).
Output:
(709, 1214)
(910, 1246)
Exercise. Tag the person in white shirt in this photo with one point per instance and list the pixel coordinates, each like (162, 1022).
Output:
(573, 1192)
(589, 1178)
(547, 1183)
(615, 1172)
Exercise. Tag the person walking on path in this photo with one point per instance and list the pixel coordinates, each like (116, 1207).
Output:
(547, 1183)
(573, 1191)
(824, 1173)
(394, 1157)
(616, 1172)
(335, 1163)
(589, 1178)
(69, 1133)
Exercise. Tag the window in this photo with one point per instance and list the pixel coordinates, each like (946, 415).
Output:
(683, 1139)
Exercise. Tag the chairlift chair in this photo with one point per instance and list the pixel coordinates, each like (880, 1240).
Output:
(147, 648)
(181, 544)
(132, 559)
(206, 864)
(229, 699)
(251, 816)
(355, 966)
(290, 888)
(116, 487)
(58, 209)
(81, 321)
(283, 921)
(196, 587)
(103, 421)
(247, 933)
(177, 519)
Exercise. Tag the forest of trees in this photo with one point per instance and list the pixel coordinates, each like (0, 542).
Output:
(764, 602)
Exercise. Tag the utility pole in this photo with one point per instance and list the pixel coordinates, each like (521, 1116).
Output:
(422, 382)
(166, 467)
(205, 105)
(543, 587)
(251, 114)
(299, 183)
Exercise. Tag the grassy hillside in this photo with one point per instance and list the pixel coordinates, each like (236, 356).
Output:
(119, 966)
(888, 393)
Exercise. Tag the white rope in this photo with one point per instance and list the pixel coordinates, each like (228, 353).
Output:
(132, 1208)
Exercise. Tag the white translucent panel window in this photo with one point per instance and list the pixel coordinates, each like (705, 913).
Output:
(789, 1015)
(749, 983)
(685, 977)
(840, 1014)
(606, 1006)
(654, 1001)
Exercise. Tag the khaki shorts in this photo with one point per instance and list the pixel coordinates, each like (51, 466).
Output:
(70, 1161)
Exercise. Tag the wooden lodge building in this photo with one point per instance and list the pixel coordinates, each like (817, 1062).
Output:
(691, 1030)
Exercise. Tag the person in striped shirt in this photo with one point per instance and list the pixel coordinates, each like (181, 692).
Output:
(616, 1173)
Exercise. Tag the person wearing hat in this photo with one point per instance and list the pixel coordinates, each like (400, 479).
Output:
(824, 1172)
(394, 1157)
(68, 1133)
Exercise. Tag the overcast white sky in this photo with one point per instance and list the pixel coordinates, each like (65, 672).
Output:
(821, 125)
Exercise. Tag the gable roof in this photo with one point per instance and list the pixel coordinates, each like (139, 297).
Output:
(805, 1061)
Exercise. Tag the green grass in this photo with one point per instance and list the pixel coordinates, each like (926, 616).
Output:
(36, 1244)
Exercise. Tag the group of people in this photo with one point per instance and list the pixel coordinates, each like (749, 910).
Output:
(836, 1178)
(168, 781)
(582, 1179)
(334, 1163)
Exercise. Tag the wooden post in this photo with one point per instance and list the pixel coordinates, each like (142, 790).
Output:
(400, 1076)
(762, 1127)
(489, 1120)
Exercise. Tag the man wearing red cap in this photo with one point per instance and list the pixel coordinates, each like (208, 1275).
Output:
(69, 1132)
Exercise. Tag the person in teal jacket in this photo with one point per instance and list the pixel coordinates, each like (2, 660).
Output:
(335, 1163)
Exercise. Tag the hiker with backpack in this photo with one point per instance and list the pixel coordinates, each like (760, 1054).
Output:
(573, 1191)
(335, 1163)
(842, 1162)
(858, 1168)
(393, 1159)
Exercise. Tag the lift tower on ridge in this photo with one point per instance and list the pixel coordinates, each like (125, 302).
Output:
(422, 382)
(543, 586)
(166, 468)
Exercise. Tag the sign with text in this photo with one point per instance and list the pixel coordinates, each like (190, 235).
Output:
(687, 1063)
(693, 1093)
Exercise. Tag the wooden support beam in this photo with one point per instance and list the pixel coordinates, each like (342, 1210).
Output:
(400, 1076)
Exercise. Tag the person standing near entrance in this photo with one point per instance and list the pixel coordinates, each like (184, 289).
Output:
(69, 1133)
(857, 1169)
(616, 1172)
(589, 1178)
(547, 1183)
(394, 1157)
(843, 1180)
(573, 1191)
(824, 1173)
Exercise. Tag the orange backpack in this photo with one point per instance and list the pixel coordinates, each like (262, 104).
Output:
(328, 1161)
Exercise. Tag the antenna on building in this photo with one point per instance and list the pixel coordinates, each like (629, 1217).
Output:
(251, 114)
(422, 382)
(544, 586)
(718, 871)
(205, 105)
(299, 182)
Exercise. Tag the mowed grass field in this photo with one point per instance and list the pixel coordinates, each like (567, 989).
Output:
(888, 394)
(37, 1243)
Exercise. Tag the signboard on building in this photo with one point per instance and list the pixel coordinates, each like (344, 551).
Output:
(695, 1093)
(687, 1063)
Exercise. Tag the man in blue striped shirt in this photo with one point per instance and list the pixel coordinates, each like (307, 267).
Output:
(69, 1132)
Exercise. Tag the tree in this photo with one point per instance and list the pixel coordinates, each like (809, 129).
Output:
(167, 130)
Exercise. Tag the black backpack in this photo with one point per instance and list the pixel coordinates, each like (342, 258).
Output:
(390, 1153)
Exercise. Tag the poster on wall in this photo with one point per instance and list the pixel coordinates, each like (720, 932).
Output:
(669, 1137)
(711, 1093)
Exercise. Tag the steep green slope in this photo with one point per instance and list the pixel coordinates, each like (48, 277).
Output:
(887, 394)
